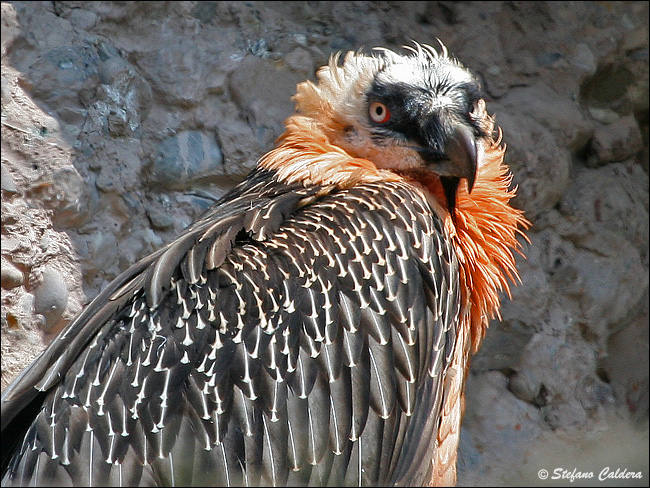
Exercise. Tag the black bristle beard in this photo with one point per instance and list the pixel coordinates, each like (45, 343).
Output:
(450, 187)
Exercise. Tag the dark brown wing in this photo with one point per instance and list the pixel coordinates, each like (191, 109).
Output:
(292, 336)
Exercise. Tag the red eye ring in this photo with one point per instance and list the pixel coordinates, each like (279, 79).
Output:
(379, 113)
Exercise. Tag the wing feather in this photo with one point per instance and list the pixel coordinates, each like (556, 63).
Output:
(292, 335)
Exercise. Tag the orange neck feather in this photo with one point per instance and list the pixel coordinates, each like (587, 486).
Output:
(486, 228)
(304, 153)
(486, 233)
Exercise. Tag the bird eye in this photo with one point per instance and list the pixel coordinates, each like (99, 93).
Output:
(379, 113)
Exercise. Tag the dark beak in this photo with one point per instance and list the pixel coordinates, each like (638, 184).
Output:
(457, 156)
(458, 160)
(461, 151)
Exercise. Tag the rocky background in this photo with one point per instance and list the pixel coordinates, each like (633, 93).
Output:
(121, 121)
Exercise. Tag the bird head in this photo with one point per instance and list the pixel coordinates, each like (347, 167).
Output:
(416, 117)
(416, 114)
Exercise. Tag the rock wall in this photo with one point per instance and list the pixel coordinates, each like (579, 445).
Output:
(122, 121)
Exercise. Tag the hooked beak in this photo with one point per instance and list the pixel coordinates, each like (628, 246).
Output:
(458, 160)
(461, 151)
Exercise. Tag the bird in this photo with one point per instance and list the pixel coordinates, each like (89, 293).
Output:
(315, 325)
